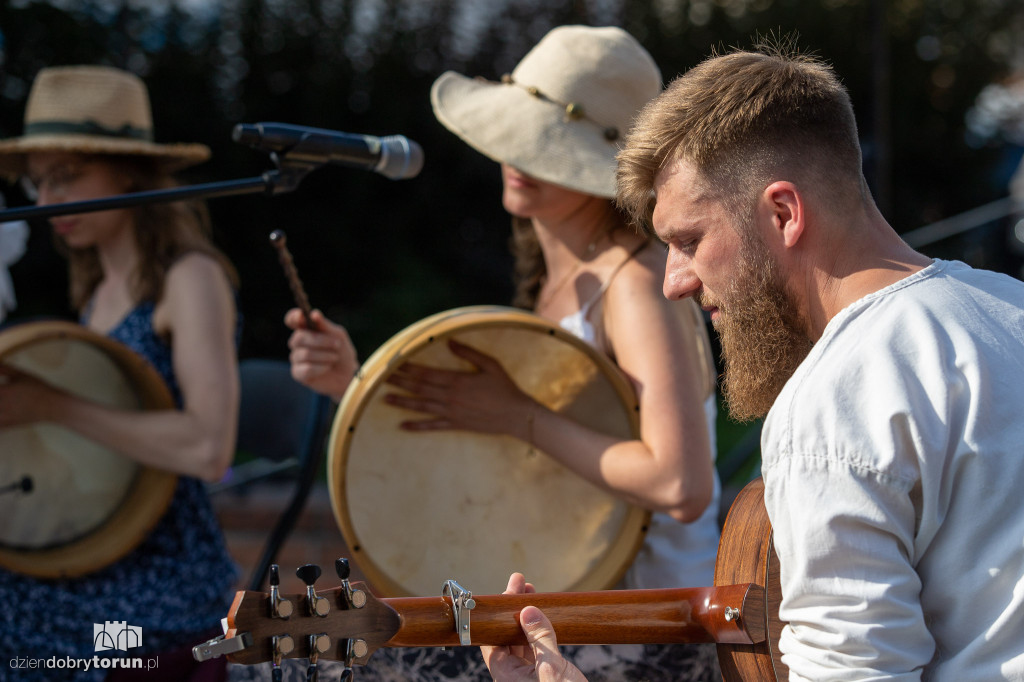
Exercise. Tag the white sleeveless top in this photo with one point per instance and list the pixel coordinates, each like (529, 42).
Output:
(673, 554)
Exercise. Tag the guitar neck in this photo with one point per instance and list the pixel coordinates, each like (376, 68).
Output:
(349, 623)
(731, 614)
(668, 616)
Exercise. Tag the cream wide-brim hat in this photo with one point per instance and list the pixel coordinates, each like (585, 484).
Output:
(564, 111)
(91, 110)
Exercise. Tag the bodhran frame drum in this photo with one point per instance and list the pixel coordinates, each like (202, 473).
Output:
(88, 506)
(419, 508)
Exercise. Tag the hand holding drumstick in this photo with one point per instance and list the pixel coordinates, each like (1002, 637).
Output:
(322, 355)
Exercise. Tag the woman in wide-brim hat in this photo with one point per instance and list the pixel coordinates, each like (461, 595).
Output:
(554, 125)
(150, 278)
(92, 110)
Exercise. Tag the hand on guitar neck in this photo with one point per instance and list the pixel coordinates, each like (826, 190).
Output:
(745, 553)
(539, 659)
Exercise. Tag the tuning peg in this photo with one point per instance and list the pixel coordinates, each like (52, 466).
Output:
(279, 608)
(354, 649)
(308, 574)
(353, 598)
(318, 644)
(282, 645)
(318, 606)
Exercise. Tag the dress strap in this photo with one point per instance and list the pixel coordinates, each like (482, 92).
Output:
(585, 308)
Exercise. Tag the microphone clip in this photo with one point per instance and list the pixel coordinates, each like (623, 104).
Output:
(288, 174)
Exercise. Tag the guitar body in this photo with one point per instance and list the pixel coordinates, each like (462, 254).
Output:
(746, 554)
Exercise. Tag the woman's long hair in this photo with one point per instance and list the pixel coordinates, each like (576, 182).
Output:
(164, 232)
(529, 268)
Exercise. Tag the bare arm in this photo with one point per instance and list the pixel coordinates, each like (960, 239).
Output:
(199, 314)
(668, 469)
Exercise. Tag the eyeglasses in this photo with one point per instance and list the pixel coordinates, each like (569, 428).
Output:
(57, 180)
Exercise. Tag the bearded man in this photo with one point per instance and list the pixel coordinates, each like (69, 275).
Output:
(893, 384)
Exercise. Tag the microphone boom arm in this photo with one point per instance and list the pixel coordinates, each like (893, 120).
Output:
(285, 178)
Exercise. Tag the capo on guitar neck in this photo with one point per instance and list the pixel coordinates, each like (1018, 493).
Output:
(462, 604)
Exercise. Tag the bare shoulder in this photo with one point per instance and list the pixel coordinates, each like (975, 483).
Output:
(196, 276)
(195, 265)
(196, 285)
(643, 272)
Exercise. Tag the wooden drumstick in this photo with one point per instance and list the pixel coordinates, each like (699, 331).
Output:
(278, 239)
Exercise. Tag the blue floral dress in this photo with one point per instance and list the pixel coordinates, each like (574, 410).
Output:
(176, 585)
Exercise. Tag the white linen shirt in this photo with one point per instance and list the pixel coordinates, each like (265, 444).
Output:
(893, 463)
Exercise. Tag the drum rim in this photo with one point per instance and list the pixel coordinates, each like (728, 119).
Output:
(150, 494)
(410, 340)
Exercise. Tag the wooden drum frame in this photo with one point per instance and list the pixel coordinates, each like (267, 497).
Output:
(476, 506)
(51, 531)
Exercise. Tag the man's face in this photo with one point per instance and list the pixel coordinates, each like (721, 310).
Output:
(722, 260)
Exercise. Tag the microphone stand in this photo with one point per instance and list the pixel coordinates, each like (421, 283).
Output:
(285, 178)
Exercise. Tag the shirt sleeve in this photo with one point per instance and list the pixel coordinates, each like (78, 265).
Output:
(844, 534)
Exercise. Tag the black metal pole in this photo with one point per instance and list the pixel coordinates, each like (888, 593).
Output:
(271, 182)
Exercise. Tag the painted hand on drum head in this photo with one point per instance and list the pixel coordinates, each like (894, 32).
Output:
(323, 358)
(485, 400)
(540, 660)
(24, 399)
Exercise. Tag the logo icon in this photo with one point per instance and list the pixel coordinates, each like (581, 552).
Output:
(116, 634)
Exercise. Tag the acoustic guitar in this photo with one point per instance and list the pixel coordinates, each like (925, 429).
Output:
(348, 624)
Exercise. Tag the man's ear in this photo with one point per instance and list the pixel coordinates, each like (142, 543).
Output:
(785, 205)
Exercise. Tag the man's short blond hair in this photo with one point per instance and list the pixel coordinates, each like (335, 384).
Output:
(743, 118)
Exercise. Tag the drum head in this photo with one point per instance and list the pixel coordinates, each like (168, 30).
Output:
(87, 505)
(417, 509)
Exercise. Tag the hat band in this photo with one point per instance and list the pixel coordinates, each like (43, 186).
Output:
(87, 128)
(574, 111)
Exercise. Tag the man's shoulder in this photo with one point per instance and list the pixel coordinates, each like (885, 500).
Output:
(893, 360)
(961, 282)
(928, 305)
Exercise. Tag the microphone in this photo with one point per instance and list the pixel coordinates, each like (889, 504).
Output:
(394, 156)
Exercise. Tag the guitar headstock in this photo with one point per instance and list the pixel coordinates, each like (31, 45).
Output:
(345, 623)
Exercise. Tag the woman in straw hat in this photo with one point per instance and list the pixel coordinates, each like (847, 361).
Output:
(150, 278)
(554, 125)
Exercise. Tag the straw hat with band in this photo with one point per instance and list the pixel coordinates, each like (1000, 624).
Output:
(562, 113)
(91, 110)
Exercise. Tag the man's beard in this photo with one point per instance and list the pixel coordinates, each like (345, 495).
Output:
(762, 333)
